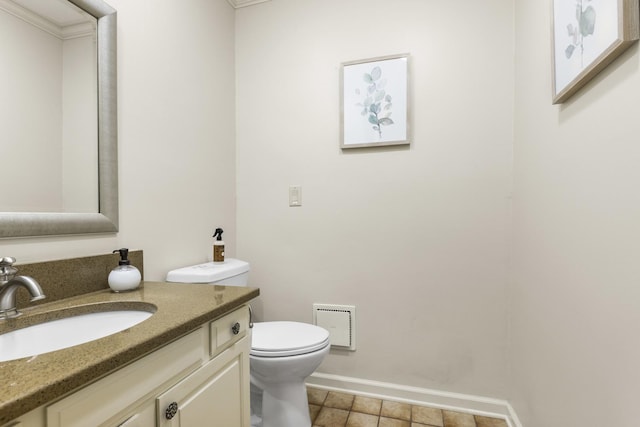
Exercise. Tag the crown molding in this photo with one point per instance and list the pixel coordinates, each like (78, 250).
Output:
(30, 17)
(84, 29)
(63, 33)
(244, 3)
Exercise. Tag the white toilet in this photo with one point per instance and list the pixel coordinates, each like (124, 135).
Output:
(283, 354)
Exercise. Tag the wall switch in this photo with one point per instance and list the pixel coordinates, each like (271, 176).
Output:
(295, 195)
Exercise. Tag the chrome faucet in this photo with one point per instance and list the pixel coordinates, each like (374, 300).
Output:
(10, 283)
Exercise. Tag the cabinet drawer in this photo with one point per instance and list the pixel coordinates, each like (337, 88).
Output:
(228, 329)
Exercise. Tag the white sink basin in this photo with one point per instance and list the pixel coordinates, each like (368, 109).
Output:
(62, 333)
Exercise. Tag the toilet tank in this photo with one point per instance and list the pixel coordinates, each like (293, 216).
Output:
(232, 272)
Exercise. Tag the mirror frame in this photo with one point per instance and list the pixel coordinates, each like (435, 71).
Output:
(30, 224)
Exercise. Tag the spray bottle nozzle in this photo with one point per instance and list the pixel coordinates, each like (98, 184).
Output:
(218, 233)
(124, 256)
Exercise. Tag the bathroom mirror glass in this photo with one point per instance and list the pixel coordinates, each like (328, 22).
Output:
(59, 118)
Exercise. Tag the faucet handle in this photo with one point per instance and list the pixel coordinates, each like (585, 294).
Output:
(7, 260)
(7, 270)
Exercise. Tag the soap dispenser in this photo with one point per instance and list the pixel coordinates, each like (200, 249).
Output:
(218, 247)
(125, 277)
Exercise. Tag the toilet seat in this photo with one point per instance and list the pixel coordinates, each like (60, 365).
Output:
(280, 339)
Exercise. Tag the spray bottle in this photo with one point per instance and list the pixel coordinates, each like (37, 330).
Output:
(218, 247)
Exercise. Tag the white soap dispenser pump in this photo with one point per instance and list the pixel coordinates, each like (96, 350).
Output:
(125, 277)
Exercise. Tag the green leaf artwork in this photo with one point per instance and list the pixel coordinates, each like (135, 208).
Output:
(376, 104)
(585, 26)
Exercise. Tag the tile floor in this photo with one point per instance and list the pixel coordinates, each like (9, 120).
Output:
(333, 409)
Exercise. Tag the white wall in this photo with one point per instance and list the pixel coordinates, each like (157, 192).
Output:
(575, 299)
(176, 137)
(79, 124)
(34, 96)
(415, 237)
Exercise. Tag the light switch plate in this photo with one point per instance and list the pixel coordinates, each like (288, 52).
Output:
(295, 195)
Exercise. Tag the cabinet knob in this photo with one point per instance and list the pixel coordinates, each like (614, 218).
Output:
(236, 328)
(171, 410)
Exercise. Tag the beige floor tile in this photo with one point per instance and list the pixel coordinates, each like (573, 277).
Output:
(316, 396)
(357, 419)
(392, 422)
(331, 409)
(367, 405)
(339, 400)
(401, 411)
(331, 417)
(489, 422)
(458, 419)
(314, 410)
(425, 415)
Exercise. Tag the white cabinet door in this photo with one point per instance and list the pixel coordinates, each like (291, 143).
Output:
(216, 395)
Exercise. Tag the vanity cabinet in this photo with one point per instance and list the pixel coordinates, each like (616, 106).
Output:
(213, 392)
(199, 380)
(217, 393)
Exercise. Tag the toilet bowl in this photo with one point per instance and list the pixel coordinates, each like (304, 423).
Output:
(283, 354)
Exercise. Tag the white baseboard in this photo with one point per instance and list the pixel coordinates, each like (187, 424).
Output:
(477, 405)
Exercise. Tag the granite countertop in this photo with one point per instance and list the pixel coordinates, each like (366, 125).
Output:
(179, 309)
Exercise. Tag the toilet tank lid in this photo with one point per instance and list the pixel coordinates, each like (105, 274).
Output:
(208, 272)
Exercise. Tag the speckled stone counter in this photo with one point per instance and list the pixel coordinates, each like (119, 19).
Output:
(179, 309)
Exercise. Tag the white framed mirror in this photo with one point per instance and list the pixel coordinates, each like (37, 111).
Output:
(35, 209)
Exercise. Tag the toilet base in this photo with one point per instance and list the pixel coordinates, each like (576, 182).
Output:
(256, 406)
(281, 381)
(281, 405)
